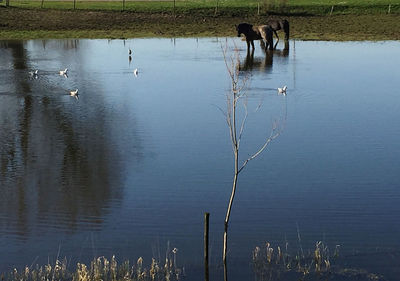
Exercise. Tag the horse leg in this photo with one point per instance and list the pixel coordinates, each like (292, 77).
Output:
(265, 44)
(248, 45)
(262, 45)
(276, 34)
(249, 61)
(268, 36)
(286, 48)
(286, 29)
(264, 37)
(270, 40)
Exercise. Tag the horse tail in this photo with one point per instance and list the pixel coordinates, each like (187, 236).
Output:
(286, 29)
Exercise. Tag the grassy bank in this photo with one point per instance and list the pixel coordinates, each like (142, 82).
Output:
(355, 20)
(224, 7)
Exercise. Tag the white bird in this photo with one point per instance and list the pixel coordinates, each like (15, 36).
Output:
(74, 94)
(34, 73)
(135, 72)
(282, 91)
(64, 72)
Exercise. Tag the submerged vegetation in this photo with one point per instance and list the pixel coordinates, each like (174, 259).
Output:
(269, 264)
(318, 264)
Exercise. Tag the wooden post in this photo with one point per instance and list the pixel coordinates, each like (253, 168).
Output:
(123, 5)
(41, 5)
(331, 11)
(174, 8)
(7, 3)
(74, 4)
(258, 8)
(389, 9)
(206, 231)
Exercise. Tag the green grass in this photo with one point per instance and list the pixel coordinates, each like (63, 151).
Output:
(26, 20)
(226, 6)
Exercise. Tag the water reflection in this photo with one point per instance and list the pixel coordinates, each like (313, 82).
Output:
(139, 160)
(18, 53)
(59, 166)
(263, 64)
(19, 62)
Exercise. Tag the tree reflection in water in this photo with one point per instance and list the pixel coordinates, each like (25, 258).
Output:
(58, 166)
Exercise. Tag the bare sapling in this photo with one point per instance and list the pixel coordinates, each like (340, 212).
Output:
(237, 95)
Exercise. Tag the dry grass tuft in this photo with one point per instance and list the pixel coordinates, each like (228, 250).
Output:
(101, 269)
(318, 264)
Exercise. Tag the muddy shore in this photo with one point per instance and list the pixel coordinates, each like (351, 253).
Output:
(20, 23)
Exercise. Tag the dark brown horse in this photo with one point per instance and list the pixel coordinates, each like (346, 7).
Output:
(279, 25)
(261, 32)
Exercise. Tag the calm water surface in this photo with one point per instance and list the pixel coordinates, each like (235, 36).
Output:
(136, 161)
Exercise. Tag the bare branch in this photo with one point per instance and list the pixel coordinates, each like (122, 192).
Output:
(239, 84)
(241, 89)
(224, 52)
(229, 120)
(220, 109)
(243, 122)
(274, 134)
(260, 104)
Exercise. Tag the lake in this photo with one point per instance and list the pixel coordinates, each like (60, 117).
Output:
(133, 164)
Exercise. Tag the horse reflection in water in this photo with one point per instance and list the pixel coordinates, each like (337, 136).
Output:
(263, 63)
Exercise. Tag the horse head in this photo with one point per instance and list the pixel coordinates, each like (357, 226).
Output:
(243, 28)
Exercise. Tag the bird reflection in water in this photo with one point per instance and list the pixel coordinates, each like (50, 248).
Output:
(263, 63)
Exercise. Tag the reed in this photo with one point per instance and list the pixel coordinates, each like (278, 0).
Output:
(271, 263)
(101, 269)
